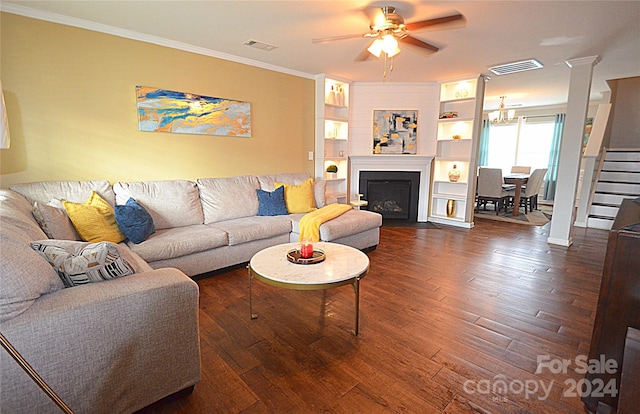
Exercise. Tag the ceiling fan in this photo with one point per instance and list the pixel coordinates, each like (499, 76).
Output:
(388, 28)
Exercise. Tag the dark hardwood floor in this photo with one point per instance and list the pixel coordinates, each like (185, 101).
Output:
(447, 316)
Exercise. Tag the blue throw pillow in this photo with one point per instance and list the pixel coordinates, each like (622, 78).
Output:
(134, 221)
(272, 203)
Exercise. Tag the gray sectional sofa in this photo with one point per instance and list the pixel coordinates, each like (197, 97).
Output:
(122, 344)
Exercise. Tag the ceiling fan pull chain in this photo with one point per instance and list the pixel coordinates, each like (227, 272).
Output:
(384, 72)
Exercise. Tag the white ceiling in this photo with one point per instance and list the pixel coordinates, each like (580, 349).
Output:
(496, 32)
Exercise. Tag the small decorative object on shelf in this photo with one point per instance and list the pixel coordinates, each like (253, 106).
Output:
(331, 100)
(340, 97)
(451, 208)
(332, 130)
(332, 171)
(456, 137)
(449, 115)
(454, 174)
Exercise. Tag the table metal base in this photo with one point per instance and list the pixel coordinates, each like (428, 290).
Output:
(354, 282)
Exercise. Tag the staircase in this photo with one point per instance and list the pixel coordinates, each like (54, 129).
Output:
(619, 178)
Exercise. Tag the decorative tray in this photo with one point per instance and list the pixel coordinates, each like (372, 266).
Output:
(294, 257)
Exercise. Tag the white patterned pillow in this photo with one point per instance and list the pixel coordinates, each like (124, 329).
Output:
(79, 263)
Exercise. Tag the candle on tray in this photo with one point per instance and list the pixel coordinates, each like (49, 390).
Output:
(306, 249)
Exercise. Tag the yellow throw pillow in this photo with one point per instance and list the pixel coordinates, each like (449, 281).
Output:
(94, 220)
(298, 198)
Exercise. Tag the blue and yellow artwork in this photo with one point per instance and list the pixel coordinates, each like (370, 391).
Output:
(161, 110)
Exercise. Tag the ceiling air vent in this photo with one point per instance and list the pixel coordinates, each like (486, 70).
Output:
(260, 45)
(514, 67)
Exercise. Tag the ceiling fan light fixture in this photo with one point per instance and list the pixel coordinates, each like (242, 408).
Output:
(394, 52)
(389, 44)
(376, 48)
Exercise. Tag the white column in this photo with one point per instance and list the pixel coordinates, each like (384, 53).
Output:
(571, 149)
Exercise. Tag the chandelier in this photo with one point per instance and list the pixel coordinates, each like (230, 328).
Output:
(385, 44)
(501, 116)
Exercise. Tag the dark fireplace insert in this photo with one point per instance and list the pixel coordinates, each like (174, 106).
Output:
(394, 194)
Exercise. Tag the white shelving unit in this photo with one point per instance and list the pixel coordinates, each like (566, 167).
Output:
(332, 135)
(458, 139)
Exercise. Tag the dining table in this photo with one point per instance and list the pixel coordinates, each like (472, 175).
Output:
(518, 180)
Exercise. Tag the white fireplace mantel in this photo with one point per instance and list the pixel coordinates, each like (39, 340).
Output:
(388, 162)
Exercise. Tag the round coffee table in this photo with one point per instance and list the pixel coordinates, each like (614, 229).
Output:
(343, 265)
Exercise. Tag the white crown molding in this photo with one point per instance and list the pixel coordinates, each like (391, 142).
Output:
(588, 60)
(129, 34)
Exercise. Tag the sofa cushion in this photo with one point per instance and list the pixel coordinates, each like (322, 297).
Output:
(25, 276)
(54, 220)
(271, 203)
(23, 280)
(134, 221)
(267, 182)
(228, 198)
(319, 190)
(79, 263)
(15, 212)
(94, 220)
(171, 203)
(248, 229)
(76, 191)
(298, 198)
(180, 241)
(347, 224)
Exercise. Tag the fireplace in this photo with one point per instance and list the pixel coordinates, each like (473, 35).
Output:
(386, 163)
(394, 194)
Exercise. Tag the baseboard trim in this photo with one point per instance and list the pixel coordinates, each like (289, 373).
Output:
(560, 242)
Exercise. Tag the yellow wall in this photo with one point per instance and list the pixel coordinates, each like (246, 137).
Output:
(70, 97)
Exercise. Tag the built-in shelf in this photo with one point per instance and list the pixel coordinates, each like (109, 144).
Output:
(458, 134)
(332, 135)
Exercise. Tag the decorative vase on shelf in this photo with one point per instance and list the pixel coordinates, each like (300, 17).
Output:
(332, 97)
(340, 96)
(332, 172)
(451, 208)
(454, 174)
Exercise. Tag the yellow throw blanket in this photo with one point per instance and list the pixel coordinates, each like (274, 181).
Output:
(310, 223)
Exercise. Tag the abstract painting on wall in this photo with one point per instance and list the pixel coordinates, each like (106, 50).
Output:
(161, 110)
(394, 131)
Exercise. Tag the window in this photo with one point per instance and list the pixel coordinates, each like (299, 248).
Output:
(527, 142)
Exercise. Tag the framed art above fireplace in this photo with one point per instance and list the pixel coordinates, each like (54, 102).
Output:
(395, 131)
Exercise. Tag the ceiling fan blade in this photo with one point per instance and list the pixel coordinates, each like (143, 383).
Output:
(433, 22)
(332, 38)
(419, 43)
(362, 56)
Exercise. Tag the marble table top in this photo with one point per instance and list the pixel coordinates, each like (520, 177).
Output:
(341, 263)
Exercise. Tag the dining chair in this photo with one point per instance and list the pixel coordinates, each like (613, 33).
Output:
(490, 189)
(529, 195)
(520, 169)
